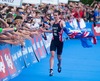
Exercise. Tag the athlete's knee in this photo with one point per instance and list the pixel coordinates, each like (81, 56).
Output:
(52, 53)
(59, 56)
(52, 56)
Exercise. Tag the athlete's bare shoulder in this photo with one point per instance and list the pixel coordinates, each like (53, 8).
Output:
(62, 23)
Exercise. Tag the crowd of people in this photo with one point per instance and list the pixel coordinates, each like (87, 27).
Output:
(20, 23)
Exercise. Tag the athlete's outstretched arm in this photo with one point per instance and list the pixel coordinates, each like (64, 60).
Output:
(44, 30)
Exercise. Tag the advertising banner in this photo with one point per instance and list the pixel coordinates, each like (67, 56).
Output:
(28, 53)
(50, 1)
(17, 3)
(42, 46)
(37, 41)
(32, 1)
(17, 57)
(35, 49)
(48, 42)
(4, 75)
(63, 1)
(9, 62)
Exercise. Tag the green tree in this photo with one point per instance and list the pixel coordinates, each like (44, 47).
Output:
(88, 1)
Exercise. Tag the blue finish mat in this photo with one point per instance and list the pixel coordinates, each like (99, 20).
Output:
(78, 64)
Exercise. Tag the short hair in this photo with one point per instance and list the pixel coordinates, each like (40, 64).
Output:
(18, 17)
(9, 15)
(57, 11)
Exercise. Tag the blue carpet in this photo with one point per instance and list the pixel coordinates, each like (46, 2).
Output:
(78, 64)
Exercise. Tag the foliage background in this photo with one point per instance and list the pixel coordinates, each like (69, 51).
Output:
(88, 1)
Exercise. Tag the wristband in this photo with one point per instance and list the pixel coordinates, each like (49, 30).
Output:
(1, 29)
(15, 29)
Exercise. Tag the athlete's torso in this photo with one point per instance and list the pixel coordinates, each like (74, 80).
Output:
(57, 31)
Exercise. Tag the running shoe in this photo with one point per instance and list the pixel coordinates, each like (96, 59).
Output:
(59, 67)
(51, 72)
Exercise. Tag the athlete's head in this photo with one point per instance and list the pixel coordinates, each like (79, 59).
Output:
(56, 14)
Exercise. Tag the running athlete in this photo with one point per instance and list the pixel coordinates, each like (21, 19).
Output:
(56, 42)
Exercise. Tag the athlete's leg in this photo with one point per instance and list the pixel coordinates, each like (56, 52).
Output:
(52, 59)
(51, 62)
(59, 59)
(59, 53)
(52, 51)
(59, 63)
